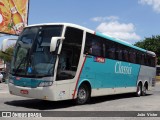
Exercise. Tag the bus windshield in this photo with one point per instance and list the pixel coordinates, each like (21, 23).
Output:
(32, 56)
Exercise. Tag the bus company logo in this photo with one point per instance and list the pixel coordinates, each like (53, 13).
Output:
(121, 69)
(99, 59)
(18, 78)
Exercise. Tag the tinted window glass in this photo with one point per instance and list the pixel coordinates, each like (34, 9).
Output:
(94, 45)
(70, 54)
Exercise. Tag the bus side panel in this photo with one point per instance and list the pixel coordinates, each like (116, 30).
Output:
(147, 74)
(110, 74)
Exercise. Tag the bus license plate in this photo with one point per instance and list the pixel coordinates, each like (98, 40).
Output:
(24, 91)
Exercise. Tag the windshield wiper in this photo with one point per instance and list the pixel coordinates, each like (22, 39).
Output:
(22, 61)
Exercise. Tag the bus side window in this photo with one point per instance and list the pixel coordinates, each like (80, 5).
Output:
(93, 45)
(119, 52)
(138, 58)
(125, 55)
(153, 62)
(88, 45)
(158, 70)
(132, 56)
(147, 60)
(106, 50)
(111, 50)
(143, 59)
(96, 48)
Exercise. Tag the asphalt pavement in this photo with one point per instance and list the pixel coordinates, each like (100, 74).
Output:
(4, 88)
(127, 102)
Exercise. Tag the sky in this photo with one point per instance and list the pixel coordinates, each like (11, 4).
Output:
(129, 20)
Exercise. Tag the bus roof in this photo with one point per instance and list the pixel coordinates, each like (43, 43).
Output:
(65, 24)
(96, 33)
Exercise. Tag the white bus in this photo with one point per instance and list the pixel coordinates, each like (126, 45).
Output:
(61, 61)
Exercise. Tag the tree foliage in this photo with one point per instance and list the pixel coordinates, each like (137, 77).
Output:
(151, 44)
(7, 55)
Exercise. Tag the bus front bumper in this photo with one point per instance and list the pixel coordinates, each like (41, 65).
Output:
(44, 93)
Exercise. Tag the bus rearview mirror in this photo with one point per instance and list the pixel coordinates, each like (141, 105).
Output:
(55, 43)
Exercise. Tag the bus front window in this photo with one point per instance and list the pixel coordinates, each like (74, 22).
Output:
(32, 56)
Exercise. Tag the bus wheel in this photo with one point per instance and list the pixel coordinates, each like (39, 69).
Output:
(83, 94)
(144, 91)
(139, 90)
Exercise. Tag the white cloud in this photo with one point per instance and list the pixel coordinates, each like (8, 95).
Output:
(111, 26)
(102, 19)
(154, 3)
(119, 30)
(112, 18)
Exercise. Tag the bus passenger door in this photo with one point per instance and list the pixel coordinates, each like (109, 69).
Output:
(68, 63)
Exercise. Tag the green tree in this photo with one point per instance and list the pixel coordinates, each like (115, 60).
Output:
(151, 44)
(7, 55)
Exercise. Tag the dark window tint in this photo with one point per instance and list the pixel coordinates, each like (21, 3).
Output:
(98, 46)
(119, 52)
(70, 54)
(158, 71)
(132, 56)
(150, 60)
(94, 45)
(111, 50)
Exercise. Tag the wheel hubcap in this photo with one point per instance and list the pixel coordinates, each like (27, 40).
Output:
(82, 94)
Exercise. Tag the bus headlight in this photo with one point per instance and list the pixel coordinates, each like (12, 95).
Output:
(45, 83)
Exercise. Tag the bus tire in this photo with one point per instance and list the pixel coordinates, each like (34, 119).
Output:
(83, 94)
(139, 90)
(144, 91)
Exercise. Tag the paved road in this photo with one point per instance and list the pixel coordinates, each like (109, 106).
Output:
(125, 102)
